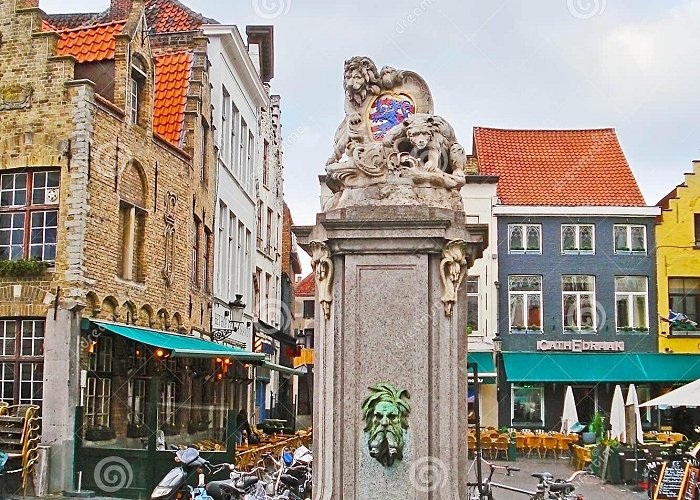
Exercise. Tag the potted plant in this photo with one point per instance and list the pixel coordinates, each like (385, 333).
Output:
(534, 328)
(23, 268)
(596, 428)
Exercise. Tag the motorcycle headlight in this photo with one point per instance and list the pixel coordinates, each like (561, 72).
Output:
(160, 491)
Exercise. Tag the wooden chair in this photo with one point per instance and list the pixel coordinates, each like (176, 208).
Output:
(533, 443)
(471, 446)
(487, 446)
(550, 443)
(583, 457)
(563, 445)
(677, 436)
(500, 447)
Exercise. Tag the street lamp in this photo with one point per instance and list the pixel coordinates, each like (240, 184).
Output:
(235, 315)
(497, 343)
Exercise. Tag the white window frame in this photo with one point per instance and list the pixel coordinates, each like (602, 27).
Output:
(525, 294)
(525, 228)
(98, 399)
(242, 166)
(578, 294)
(136, 401)
(475, 296)
(168, 406)
(628, 238)
(235, 123)
(630, 305)
(513, 388)
(225, 126)
(577, 250)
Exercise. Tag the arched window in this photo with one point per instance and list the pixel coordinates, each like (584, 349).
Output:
(132, 222)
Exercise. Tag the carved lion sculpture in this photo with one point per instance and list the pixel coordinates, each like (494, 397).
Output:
(427, 138)
(361, 81)
(385, 411)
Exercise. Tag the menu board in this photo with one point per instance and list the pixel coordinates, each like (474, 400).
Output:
(691, 483)
(671, 480)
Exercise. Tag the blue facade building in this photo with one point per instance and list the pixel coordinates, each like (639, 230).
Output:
(576, 273)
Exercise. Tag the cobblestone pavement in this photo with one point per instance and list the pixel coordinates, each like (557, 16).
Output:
(591, 488)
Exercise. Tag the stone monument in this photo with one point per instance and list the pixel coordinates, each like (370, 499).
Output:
(389, 252)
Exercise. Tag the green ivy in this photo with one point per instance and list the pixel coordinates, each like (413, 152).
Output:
(22, 268)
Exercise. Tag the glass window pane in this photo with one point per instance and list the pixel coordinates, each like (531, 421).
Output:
(20, 181)
(533, 310)
(622, 305)
(533, 237)
(570, 311)
(637, 236)
(621, 238)
(568, 237)
(53, 179)
(527, 405)
(516, 238)
(517, 311)
(586, 237)
(473, 312)
(587, 311)
(525, 283)
(630, 284)
(640, 311)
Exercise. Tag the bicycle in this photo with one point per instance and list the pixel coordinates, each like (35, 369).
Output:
(548, 488)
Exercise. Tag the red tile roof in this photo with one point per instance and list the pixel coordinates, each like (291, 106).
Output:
(172, 82)
(306, 287)
(167, 16)
(70, 21)
(557, 167)
(92, 43)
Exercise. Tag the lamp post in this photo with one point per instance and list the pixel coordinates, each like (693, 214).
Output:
(497, 347)
(235, 320)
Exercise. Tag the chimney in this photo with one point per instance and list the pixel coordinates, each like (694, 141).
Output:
(29, 4)
(120, 9)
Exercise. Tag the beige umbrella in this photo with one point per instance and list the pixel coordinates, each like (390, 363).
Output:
(617, 416)
(633, 401)
(569, 417)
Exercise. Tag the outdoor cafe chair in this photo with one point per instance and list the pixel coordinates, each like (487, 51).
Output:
(550, 443)
(500, 446)
(533, 443)
(520, 444)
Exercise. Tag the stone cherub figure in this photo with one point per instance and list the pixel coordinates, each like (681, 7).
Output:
(385, 412)
(424, 149)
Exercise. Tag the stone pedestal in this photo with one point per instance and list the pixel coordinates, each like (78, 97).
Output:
(388, 324)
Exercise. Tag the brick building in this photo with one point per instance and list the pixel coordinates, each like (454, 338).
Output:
(108, 177)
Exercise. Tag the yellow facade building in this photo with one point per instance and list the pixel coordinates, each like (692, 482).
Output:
(678, 263)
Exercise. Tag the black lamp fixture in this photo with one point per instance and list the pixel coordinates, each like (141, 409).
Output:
(235, 320)
(497, 343)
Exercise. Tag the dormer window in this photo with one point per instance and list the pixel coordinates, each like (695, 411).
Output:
(137, 83)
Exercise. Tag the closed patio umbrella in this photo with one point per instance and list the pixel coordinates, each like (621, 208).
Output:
(569, 417)
(617, 416)
(633, 400)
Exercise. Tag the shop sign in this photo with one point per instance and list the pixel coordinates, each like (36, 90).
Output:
(579, 345)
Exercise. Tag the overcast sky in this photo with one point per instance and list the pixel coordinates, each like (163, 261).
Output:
(628, 64)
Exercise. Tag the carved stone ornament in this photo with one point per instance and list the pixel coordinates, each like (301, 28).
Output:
(391, 149)
(323, 270)
(385, 412)
(169, 233)
(15, 96)
(453, 268)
